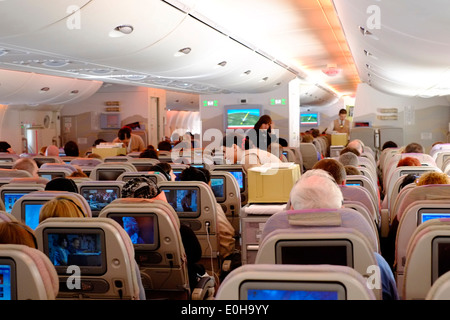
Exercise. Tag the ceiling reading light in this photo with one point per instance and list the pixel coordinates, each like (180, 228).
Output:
(55, 63)
(74, 92)
(264, 79)
(182, 52)
(45, 89)
(246, 73)
(3, 52)
(125, 28)
(222, 64)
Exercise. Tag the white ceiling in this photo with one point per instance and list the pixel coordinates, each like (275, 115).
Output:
(275, 40)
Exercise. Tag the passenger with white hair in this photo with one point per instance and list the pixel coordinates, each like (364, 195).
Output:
(317, 189)
(349, 159)
(27, 164)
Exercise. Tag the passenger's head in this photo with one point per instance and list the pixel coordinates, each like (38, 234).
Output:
(352, 171)
(52, 151)
(4, 146)
(316, 189)
(17, 232)
(413, 148)
(350, 149)
(409, 162)
(61, 184)
(61, 207)
(307, 138)
(78, 174)
(164, 146)
(232, 147)
(264, 122)
(26, 164)
(195, 174)
(334, 168)
(71, 149)
(356, 144)
(408, 179)
(283, 142)
(142, 187)
(349, 158)
(433, 177)
(149, 153)
(389, 144)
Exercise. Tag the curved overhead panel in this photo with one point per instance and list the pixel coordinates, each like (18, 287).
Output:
(94, 38)
(30, 88)
(400, 47)
(25, 16)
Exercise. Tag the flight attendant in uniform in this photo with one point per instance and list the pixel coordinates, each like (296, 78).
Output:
(341, 125)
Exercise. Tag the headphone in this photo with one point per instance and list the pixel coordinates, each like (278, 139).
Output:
(71, 200)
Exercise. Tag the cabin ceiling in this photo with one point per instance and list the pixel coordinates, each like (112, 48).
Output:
(246, 46)
(400, 47)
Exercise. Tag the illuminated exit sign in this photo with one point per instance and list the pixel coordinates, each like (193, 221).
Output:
(275, 102)
(212, 103)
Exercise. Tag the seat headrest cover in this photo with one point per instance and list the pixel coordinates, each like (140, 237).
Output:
(315, 217)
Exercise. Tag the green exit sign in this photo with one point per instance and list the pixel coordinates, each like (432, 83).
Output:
(210, 103)
(275, 102)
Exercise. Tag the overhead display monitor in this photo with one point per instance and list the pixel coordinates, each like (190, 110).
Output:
(242, 116)
(310, 119)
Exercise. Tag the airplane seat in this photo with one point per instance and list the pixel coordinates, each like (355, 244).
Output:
(99, 194)
(27, 274)
(104, 260)
(309, 154)
(58, 165)
(359, 193)
(367, 173)
(405, 170)
(385, 155)
(10, 192)
(409, 194)
(8, 157)
(195, 204)
(344, 217)
(241, 176)
(427, 258)
(228, 195)
(117, 159)
(110, 170)
(14, 173)
(294, 155)
(292, 282)
(316, 237)
(414, 215)
(28, 206)
(425, 160)
(86, 162)
(361, 208)
(159, 251)
(54, 172)
(40, 160)
(365, 182)
(252, 219)
(440, 290)
(6, 217)
(440, 157)
(30, 180)
(142, 164)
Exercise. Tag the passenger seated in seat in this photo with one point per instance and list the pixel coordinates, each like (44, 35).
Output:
(317, 189)
(225, 229)
(17, 232)
(144, 187)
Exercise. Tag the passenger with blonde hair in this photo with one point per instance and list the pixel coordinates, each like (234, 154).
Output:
(61, 207)
(433, 177)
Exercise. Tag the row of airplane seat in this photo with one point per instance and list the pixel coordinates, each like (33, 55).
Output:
(268, 229)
